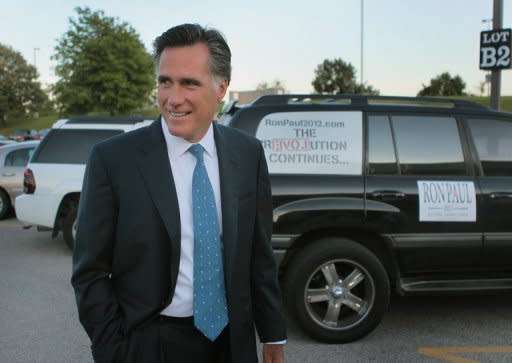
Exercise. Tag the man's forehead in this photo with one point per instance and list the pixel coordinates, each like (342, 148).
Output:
(196, 49)
(184, 58)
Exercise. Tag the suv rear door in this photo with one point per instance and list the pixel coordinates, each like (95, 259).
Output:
(492, 139)
(416, 164)
(313, 153)
(58, 166)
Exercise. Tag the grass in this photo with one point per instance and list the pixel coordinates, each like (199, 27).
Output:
(28, 123)
(47, 120)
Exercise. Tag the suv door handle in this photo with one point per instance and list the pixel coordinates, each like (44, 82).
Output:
(500, 195)
(387, 194)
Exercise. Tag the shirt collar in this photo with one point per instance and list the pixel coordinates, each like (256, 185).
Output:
(177, 146)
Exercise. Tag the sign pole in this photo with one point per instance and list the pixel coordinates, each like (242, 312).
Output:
(362, 39)
(496, 73)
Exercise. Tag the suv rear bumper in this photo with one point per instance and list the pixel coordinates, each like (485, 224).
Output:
(29, 207)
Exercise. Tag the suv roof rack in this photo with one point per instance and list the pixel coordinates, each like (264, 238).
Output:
(131, 119)
(358, 99)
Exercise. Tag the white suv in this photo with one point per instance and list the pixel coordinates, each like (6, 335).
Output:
(53, 178)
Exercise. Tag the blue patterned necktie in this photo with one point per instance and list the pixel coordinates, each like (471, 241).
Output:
(210, 307)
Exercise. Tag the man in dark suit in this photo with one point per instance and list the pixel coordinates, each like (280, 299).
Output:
(163, 272)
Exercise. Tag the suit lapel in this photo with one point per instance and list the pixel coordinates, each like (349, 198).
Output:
(153, 163)
(229, 189)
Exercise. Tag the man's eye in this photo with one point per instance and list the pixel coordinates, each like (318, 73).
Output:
(165, 83)
(190, 83)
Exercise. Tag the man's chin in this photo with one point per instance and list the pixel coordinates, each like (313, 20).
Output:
(175, 128)
(178, 133)
(182, 134)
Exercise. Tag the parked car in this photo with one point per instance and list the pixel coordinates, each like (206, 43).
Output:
(53, 178)
(22, 134)
(13, 160)
(40, 134)
(372, 194)
(5, 140)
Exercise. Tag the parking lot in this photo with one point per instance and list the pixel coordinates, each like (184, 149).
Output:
(38, 318)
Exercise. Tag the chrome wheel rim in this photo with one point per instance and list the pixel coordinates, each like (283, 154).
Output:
(339, 294)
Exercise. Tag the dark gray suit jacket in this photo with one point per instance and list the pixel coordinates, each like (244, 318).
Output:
(126, 256)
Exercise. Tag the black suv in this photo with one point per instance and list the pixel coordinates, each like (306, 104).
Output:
(378, 193)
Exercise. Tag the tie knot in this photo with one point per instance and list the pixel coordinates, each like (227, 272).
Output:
(197, 150)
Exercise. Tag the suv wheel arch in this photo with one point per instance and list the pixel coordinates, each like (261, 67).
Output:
(337, 289)
(379, 245)
(66, 218)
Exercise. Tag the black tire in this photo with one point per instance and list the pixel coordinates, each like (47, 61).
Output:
(5, 204)
(352, 276)
(69, 226)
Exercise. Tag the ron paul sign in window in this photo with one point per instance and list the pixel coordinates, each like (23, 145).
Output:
(495, 46)
(313, 142)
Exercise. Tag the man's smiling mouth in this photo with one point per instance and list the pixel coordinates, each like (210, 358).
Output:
(178, 114)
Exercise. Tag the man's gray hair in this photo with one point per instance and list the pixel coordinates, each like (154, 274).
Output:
(190, 34)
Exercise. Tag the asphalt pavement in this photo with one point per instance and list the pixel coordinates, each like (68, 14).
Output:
(39, 322)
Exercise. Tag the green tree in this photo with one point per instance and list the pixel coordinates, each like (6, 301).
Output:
(102, 65)
(276, 84)
(336, 76)
(20, 92)
(444, 85)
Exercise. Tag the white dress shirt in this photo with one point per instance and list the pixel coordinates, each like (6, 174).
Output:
(182, 166)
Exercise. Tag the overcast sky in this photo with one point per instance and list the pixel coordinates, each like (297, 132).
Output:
(406, 43)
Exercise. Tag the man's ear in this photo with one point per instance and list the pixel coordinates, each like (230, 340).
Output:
(221, 89)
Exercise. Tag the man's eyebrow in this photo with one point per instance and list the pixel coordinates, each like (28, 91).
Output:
(162, 79)
(185, 80)
(191, 81)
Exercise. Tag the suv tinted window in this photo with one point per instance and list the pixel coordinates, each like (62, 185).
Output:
(68, 146)
(428, 145)
(381, 153)
(493, 141)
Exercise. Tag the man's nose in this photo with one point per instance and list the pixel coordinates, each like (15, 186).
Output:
(175, 97)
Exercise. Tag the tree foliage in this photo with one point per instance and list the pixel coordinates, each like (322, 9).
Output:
(102, 65)
(277, 83)
(20, 92)
(444, 85)
(336, 76)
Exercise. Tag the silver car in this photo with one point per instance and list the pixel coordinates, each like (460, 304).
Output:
(13, 160)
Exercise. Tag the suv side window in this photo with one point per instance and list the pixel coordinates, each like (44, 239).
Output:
(428, 145)
(319, 143)
(70, 146)
(493, 142)
(381, 153)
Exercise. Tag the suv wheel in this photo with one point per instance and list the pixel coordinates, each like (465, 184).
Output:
(5, 204)
(337, 289)
(69, 226)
